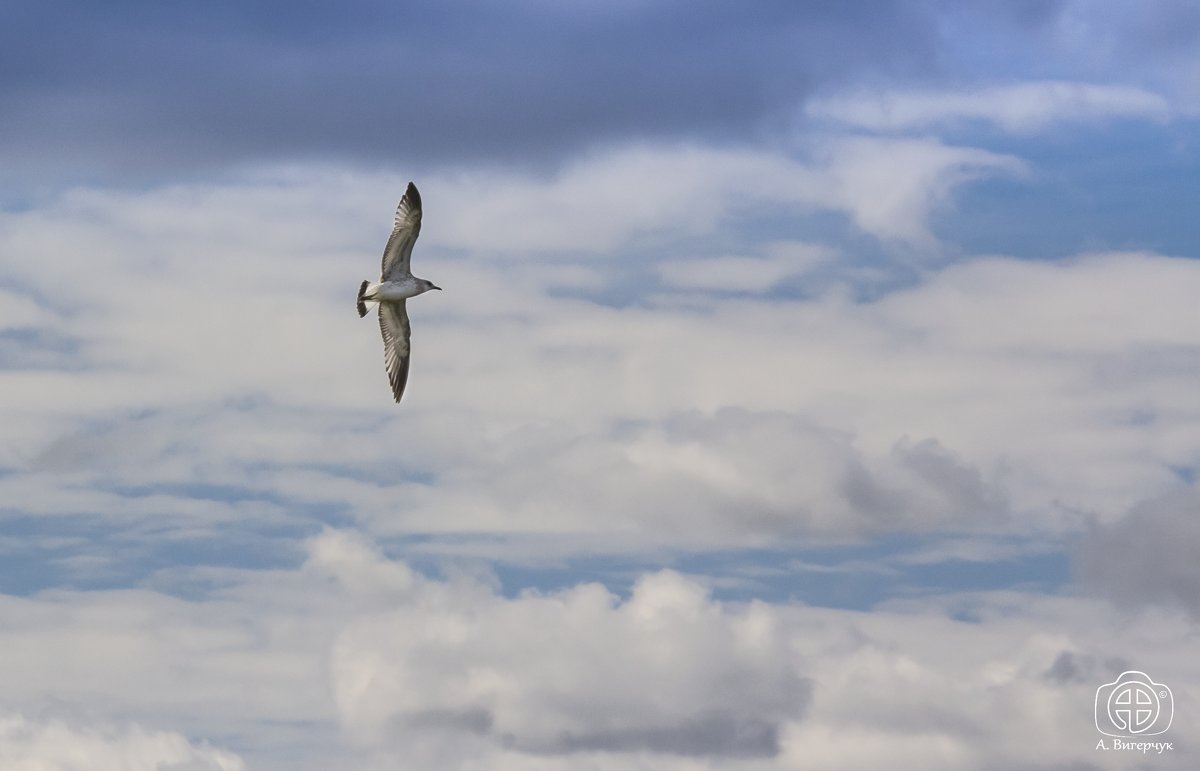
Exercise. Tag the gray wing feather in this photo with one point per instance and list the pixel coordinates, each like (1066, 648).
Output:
(393, 323)
(398, 253)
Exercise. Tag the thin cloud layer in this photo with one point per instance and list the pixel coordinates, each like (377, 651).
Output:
(993, 393)
(1021, 107)
(890, 188)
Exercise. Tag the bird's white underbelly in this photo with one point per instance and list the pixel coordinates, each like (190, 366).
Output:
(391, 291)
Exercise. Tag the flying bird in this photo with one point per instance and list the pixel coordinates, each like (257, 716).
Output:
(396, 284)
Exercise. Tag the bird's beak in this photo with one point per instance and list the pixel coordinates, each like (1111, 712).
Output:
(435, 287)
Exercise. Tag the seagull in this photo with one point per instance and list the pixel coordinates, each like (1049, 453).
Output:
(397, 284)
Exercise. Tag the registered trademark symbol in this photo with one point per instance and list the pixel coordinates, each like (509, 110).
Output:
(1162, 694)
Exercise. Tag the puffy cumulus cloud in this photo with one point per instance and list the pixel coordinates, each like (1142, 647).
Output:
(1020, 107)
(352, 658)
(1147, 557)
(355, 563)
(665, 671)
(670, 677)
(1012, 688)
(56, 745)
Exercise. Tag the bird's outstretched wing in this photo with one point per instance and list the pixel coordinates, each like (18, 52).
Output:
(398, 252)
(393, 323)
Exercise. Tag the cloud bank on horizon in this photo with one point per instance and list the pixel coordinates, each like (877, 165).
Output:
(812, 388)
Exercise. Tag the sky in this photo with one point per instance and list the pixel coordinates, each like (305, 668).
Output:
(814, 385)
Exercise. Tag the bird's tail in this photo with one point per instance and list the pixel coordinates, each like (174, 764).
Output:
(362, 306)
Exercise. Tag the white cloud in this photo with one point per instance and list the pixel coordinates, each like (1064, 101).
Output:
(56, 745)
(169, 657)
(665, 671)
(580, 675)
(888, 187)
(1049, 390)
(18, 311)
(891, 187)
(222, 390)
(1019, 108)
(779, 261)
(449, 673)
(679, 354)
